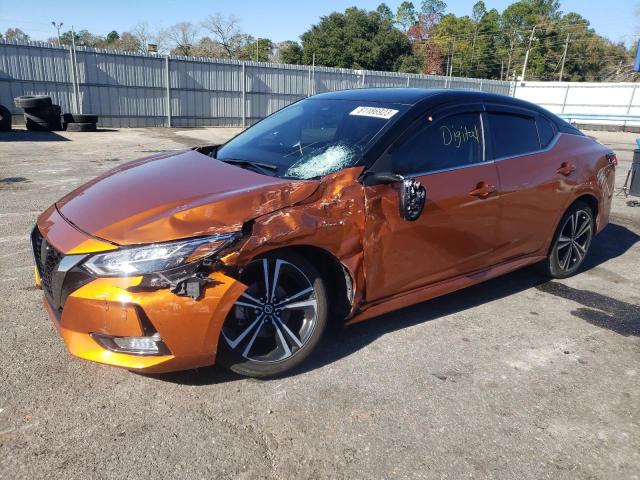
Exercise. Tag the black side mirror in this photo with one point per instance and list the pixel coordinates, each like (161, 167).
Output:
(412, 193)
(412, 198)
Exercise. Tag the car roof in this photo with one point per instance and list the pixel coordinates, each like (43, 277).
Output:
(406, 96)
(413, 96)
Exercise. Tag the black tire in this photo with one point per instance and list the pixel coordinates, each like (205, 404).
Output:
(5, 119)
(79, 118)
(268, 338)
(36, 124)
(81, 127)
(571, 242)
(32, 101)
(44, 112)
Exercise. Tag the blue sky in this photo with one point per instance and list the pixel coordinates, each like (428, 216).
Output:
(275, 19)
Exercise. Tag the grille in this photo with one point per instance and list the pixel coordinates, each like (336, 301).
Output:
(47, 260)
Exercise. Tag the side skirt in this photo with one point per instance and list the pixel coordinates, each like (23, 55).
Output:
(422, 294)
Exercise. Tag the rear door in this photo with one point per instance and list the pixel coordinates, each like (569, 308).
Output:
(457, 231)
(535, 180)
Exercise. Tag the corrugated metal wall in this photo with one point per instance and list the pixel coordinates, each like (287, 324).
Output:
(129, 90)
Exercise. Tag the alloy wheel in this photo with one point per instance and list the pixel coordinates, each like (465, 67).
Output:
(277, 314)
(574, 239)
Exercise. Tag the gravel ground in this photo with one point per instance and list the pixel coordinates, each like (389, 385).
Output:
(515, 378)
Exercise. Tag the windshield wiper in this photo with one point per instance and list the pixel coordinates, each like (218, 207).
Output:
(260, 167)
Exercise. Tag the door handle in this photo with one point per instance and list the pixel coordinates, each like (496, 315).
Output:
(483, 190)
(566, 169)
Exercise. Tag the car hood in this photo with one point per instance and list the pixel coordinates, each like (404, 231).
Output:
(176, 195)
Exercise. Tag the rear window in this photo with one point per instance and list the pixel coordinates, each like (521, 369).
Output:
(546, 131)
(512, 134)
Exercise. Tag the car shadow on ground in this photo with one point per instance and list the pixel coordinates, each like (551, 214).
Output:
(32, 136)
(597, 309)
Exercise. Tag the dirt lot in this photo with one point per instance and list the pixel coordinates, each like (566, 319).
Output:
(516, 378)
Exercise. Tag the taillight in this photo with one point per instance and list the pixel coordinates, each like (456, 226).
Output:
(613, 160)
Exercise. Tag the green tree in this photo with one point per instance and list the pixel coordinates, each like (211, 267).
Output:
(479, 10)
(257, 50)
(385, 12)
(355, 39)
(112, 37)
(291, 52)
(406, 15)
(67, 37)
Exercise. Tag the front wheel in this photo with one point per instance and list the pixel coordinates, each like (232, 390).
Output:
(571, 242)
(279, 319)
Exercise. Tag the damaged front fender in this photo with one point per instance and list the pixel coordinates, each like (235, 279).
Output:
(332, 219)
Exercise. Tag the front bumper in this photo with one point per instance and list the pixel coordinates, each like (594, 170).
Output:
(115, 307)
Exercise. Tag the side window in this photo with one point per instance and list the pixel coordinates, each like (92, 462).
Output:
(447, 142)
(546, 131)
(513, 134)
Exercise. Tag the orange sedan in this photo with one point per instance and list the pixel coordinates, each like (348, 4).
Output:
(340, 207)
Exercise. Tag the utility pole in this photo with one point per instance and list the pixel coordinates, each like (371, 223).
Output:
(257, 41)
(501, 68)
(449, 71)
(313, 77)
(511, 46)
(564, 57)
(58, 26)
(446, 72)
(453, 49)
(473, 47)
(526, 55)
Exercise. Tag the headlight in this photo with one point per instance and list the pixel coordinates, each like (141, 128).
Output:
(157, 257)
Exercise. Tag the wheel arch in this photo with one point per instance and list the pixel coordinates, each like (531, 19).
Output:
(339, 280)
(590, 199)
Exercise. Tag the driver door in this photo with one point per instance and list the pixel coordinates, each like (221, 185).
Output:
(456, 233)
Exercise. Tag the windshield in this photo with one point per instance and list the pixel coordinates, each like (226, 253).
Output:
(311, 138)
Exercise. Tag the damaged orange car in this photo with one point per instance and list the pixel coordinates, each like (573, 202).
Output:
(340, 207)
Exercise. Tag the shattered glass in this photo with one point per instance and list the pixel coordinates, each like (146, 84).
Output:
(322, 161)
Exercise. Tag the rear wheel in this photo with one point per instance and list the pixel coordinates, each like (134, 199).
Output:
(278, 321)
(571, 242)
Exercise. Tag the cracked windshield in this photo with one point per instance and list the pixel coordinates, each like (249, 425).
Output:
(311, 138)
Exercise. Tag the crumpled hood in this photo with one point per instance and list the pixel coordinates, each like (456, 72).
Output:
(176, 195)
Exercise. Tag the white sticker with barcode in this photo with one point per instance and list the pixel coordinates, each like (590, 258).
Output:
(376, 112)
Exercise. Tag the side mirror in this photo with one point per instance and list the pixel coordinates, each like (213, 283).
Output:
(412, 198)
(412, 193)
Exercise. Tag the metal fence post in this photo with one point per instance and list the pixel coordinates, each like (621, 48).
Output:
(74, 66)
(566, 94)
(244, 95)
(168, 90)
(73, 80)
(633, 94)
(408, 80)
